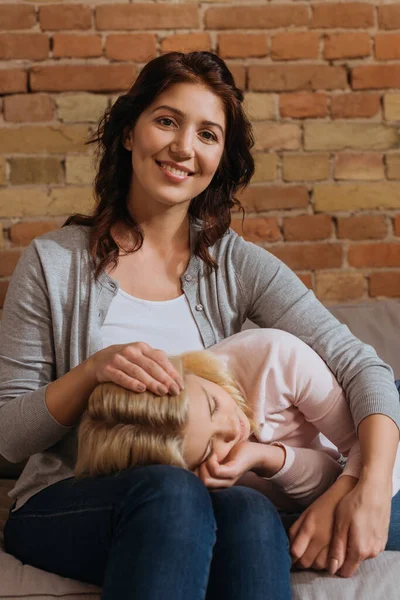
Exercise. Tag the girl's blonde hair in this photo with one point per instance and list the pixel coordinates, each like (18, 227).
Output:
(121, 428)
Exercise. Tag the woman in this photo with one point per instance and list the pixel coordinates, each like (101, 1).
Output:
(256, 401)
(86, 304)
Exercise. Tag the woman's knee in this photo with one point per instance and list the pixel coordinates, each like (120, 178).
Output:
(245, 512)
(170, 493)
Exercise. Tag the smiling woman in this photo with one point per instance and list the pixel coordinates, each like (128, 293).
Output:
(156, 270)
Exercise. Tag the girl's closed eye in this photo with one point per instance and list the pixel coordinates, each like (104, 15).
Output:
(216, 404)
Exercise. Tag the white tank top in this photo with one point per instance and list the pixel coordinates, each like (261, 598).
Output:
(167, 325)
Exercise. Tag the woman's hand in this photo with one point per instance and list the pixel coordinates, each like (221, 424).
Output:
(136, 367)
(361, 525)
(311, 535)
(242, 458)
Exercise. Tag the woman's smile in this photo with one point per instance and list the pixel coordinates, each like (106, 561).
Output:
(173, 174)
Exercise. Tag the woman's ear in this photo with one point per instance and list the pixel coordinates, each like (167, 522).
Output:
(127, 139)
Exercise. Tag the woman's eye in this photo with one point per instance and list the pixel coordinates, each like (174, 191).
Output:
(163, 121)
(212, 138)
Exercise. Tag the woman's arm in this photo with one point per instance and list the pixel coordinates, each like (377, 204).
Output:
(362, 517)
(39, 403)
(275, 297)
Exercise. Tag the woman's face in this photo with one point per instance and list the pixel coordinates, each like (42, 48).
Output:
(177, 144)
(215, 422)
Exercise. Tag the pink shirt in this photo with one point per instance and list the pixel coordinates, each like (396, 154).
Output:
(295, 397)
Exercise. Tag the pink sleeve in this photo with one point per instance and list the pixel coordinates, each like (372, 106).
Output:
(318, 396)
(306, 474)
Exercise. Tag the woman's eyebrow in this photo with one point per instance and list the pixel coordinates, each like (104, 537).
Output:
(182, 114)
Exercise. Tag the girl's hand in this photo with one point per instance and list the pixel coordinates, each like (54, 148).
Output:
(361, 525)
(311, 535)
(136, 367)
(240, 459)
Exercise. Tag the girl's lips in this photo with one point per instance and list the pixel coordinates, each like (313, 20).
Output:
(172, 176)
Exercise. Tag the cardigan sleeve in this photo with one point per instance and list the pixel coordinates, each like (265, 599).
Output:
(27, 363)
(277, 298)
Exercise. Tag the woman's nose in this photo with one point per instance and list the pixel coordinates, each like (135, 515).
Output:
(182, 145)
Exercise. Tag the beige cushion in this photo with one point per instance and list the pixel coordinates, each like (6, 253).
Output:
(377, 324)
(376, 579)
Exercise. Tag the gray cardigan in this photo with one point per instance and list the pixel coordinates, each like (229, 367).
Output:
(55, 308)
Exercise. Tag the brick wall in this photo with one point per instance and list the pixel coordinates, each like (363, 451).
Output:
(322, 84)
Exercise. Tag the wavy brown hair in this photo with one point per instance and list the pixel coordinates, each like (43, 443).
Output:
(121, 429)
(213, 206)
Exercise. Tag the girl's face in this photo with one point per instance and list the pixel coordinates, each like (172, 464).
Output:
(215, 422)
(176, 144)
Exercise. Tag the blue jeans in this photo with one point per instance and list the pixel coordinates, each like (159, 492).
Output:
(155, 532)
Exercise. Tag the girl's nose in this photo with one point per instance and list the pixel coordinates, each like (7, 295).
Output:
(230, 428)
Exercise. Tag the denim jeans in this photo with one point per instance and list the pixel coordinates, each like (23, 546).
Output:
(155, 532)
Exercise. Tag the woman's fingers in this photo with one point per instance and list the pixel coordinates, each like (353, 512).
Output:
(160, 358)
(338, 548)
(146, 366)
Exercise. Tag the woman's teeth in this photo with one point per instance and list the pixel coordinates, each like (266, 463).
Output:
(174, 171)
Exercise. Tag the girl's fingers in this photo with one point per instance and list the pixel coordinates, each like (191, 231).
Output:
(300, 545)
(295, 528)
(321, 561)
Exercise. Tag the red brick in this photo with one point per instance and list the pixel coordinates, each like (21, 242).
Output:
(28, 107)
(8, 261)
(359, 165)
(147, 16)
(14, 16)
(309, 256)
(306, 278)
(376, 77)
(294, 45)
(256, 17)
(13, 80)
(307, 227)
(386, 283)
(139, 47)
(242, 45)
(347, 45)
(345, 14)
(24, 45)
(339, 286)
(260, 198)
(57, 17)
(88, 78)
(362, 227)
(354, 105)
(76, 46)
(303, 105)
(387, 46)
(22, 234)
(186, 42)
(374, 255)
(257, 229)
(296, 77)
(239, 75)
(397, 226)
(3, 291)
(389, 16)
